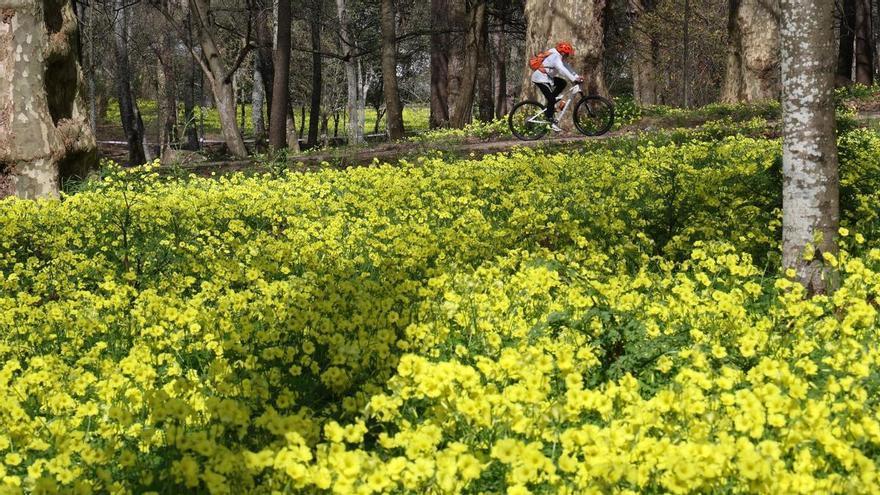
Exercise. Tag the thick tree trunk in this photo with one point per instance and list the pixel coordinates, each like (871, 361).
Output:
(753, 51)
(439, 63)
(462, 112)
(864, 47)
(847, 39)
(355, 125)
(644, 59)
(281, 79)
(389, 72)
(809, 153)
(220, 80)
(44, 131)
(132, 124)
(315, 112)
(581, 23)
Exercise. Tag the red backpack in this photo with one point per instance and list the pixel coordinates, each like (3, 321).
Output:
(537, 62)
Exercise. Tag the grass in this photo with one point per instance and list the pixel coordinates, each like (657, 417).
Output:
(415, 118)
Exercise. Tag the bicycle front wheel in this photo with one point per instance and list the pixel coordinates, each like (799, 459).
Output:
(527, 121)
(594, 115)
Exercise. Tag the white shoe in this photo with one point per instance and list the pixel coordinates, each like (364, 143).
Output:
(555, 128)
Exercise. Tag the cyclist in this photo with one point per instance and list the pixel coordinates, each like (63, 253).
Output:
(546, 77)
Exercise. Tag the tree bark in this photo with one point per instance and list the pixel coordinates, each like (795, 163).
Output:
(132, 123)
(864, 47)
(847, 39)
(809, 153)
(439, 64)
(645, 54)
(315, 112)
(486, 101)
(281, 80)
(219, 78)
(462, 112)
(355, 124)
(44, 131)
(389, 72)
(499, 68)
(167, 94)
(753, 53)
(258, 102)
(581, 23)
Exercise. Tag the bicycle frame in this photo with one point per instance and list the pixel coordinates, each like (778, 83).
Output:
(574, 91)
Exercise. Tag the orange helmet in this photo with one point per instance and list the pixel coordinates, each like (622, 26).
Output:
(564, 48)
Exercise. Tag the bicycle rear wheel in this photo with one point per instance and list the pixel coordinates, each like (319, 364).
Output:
(527, 121)
(594, 115)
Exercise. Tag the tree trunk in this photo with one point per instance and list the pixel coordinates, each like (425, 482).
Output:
(44, 131)
(439, 64)
(355, 125)
(167, 95)
(471, 50)
(847, 39)
(258, 101)
(220, 80)
(389, 72)
(753, 53)
(265, 52)
(486, 101)
(644, 59)
(864, 47)
(315, 115)
(132, 124)
(281, 79)
(499, 47)
(809, 152)
(550, 22)
(189, 96)
(458, 25)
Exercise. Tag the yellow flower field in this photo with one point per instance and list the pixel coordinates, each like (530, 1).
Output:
(611, 321)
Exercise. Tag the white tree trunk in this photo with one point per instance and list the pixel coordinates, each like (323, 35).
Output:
(355, 125)
(809, 152)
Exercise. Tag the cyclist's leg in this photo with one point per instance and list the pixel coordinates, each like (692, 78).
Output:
(559, 85)
(550, 108)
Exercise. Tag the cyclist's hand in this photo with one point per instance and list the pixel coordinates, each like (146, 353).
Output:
(579, 79)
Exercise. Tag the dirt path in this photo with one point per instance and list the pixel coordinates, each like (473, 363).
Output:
(344, 158)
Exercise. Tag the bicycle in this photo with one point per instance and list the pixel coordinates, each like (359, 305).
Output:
(593, 116)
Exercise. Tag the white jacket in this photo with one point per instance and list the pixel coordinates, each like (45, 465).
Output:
(555, 67)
